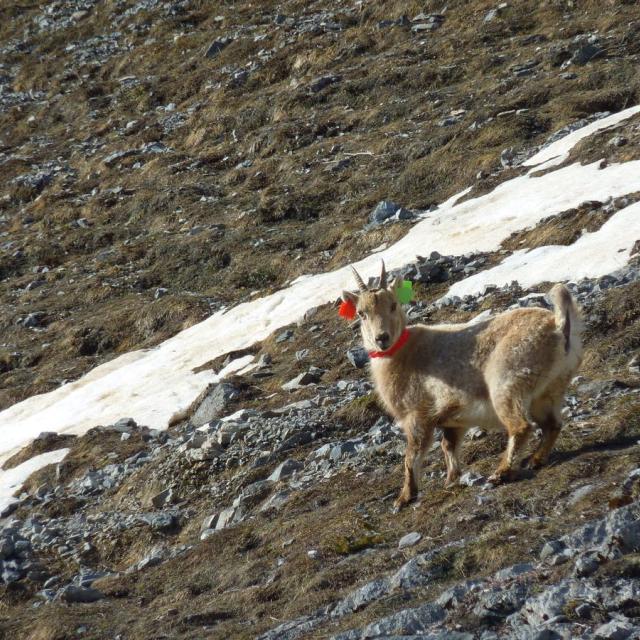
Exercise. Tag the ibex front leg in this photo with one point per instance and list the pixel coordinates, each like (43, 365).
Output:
(419, 438)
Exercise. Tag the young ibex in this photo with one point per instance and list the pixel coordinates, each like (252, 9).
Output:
(507, 372)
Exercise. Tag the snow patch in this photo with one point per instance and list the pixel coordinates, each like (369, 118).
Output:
(12, 479)
(592, 255)
(557, 152)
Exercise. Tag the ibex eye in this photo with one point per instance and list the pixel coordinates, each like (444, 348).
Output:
(361, 314)
(394, 306)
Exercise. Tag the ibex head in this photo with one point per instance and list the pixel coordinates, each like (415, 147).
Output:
(382, 319)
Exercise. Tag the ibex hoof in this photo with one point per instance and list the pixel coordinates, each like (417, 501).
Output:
(451, 481)
(401, 503)
(499, 477)
(531, 462)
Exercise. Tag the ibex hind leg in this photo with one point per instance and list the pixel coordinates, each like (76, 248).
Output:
(514, 415)
(451, 442)
(547, 412)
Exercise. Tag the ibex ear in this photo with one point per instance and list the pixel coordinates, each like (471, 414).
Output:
(347, 296)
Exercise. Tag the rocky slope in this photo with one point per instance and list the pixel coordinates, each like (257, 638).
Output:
(161, 160)
(246, 522)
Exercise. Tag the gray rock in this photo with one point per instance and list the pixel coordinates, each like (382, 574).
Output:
(153, 559)
(319, 84)
(287, 334)
(254, 493)
(407, 622)
(72, 594)
(358, 357)
(453, 596)
(285, 469)
(551, 548)
(491, 15)
(615, 630)
(296, 440)
(308, 377)
(580, 493)
(618, 529)
(409, 540)
(618, 141)
(114, 157)
(124, 425)
(587, 563)
(217, 46)
(499, 602)
(361, 597)
(384, 209)
(514, 571)
(471, 479)
(549, 604)
(214, 403)
(225, 518)
(6, 548)
(33, 319)
(275, 501)
(227, 433)
(162, 498)
(161, 521)
(343, 450)
(586, 53)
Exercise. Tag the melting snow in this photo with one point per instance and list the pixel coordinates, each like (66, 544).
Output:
(152, 385)
(12, 479)
(558, 152)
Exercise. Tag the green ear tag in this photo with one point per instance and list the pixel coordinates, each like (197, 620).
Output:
(405, 292)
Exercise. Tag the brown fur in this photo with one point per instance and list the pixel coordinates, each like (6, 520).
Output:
(507, 372)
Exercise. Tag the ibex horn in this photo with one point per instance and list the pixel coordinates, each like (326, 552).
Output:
(383, 277)
(361, 285)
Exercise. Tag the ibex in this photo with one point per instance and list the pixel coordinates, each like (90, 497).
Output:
(510, 372)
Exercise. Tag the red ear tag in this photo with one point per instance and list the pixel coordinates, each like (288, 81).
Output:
(347, 310)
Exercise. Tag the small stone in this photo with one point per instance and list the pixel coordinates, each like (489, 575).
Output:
(384, 209)
(471, 479)
(309, 377)
(324, 81)
(162, 498)
(285, 335)
(216, 47)
(618, 141)
(409, 540)
(160, 292)
(358, 357)
(586, 54)
(580, 493)
(33, 319)
(72, 593)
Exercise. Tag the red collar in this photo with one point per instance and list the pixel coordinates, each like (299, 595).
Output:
(399, 343)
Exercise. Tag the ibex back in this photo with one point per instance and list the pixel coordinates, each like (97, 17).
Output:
(507, 372)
